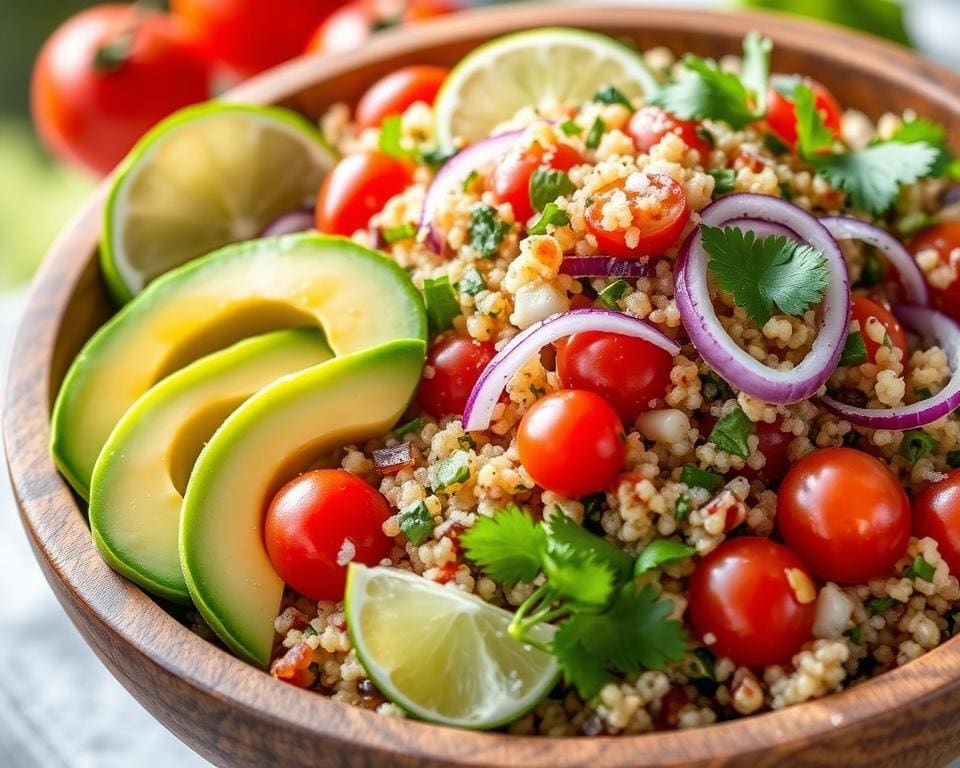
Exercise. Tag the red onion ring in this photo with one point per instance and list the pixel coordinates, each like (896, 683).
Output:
(297, 220)
(495, 377)
(914, 283)
(946, 333)
(710, 338)
(607, 266)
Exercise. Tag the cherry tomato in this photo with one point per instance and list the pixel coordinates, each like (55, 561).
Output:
(782, 114)
(572, 443)
(755, 598)
(453, 367)
(318, 522)
(771, 442)
(845, 514)
(626, 371)
(658, 206)
(649, 125)
(357, 188)
(944, 238)
(108, 75)
(249, 36)
(863, 310)
(936, 513)
(392, 94)
(511, 178)
(350, 27)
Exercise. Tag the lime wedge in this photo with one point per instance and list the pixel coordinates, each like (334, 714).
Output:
(442, 654)
(203, 178)
(553, 65)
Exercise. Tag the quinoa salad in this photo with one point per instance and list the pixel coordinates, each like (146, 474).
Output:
(668, 365)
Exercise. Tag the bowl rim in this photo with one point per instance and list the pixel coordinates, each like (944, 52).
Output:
(56, 527)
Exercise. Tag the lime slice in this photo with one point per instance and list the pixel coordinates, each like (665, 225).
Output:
(442, 654)
(203, 178)
(553, 65)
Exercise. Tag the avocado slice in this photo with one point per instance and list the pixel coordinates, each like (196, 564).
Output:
(358, 296)
(141, 474)
(284, 429)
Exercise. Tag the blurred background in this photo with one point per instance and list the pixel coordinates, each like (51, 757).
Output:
(79, 717)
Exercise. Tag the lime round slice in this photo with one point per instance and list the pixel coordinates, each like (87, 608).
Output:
(203, 178)
(442, 654)
(554, 65)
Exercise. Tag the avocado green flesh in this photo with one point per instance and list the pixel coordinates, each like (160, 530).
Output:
(357, 296)
(138, 481)
(282, 430)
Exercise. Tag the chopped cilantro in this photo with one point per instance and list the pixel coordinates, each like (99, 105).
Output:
(441, 302)
(713, 387)
(416, 522)
(731, 432)
(466, 442)
(612, 95)
(436, 157)
(682, 509)
(933, 134)
(509, 546)
(661, 552)
(414, 425)
(468, 182)
(546, 185)
(922, 393)
(724, 180)
(486, 230)
(786, 191)
(398, 233)
(593, 505)
(854, 351)
(763, 273)
(953, 459)
(472, 282)
(775, 145)
(878, 605)
(704, 662)
(921, 569)
(874, 270)
(551, 216)
(813, 136)
(453, 470)
(694, 477)
(595, 134)
(610, 295)
(917, 444)
(570, 128)
(855, 635)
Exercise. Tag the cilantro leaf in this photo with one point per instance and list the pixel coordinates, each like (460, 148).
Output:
(813, 136)
(564, 532)
(509, 546)
(546, 185)
(578, 576)
(763, 273)
(610, 94)
(922, 130)
(662, 552)
(854, 351)
(755, 71)
(551, 216)
(486, 230)
(705, 91)
(416, 522)
(694, 477)
(731, 432)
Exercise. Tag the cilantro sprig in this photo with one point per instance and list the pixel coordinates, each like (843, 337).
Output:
(605, 623)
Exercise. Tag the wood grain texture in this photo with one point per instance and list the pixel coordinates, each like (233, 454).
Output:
(235, 715)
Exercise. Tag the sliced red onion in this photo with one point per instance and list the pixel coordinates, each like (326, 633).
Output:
(495, 377)
(710, 338)
(297, 220)
(607, 266)
(453, 173)
(846, 228)
(945, 332)
(763, 229)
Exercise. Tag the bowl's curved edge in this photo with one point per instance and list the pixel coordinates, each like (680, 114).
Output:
(237, 715)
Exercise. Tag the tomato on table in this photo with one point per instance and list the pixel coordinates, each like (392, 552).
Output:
(658, 209)
(394, 93)
(106, 76)
(845, 514)
(318, 523)
(649, 125)
(357, 188)
(863, 310)
(936, 513)
(944, 238)
(782, 112)
(572, 443)
(626, 371)
(755, 598)
(511, 178)
(453, 366)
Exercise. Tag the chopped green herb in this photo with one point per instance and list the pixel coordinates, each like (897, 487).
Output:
(813, 135)
(713, 387)
(786, 191)
(661, 552)
(546, 185)
(878, 605)
(595, 134)
(551, 216)
(486, 230)
(611, 95)
(466, 442)
(570, 128)
(874, 270)
(705, 136)
(472, 282)
(682, 509)
(855, 635)
(731, 432)
(953, 459)
(402, 232)
(593, 505)
(724, 180)
(694, 477)
(468, 182)
(414, 425)
(775, 145)
(704, 662)
(610, 295)
(416, 522)
(453, 470)
(854, 351)
(763, 273)
(917, 444)
(933, 134)
(436, 157)
(922, 393)
(921, 569)
(442, 303)
(537, 391)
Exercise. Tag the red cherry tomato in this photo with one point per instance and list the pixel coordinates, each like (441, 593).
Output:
(107, 76)
(572, 443)
(745, 594)
(511, 178)
(350, 27)
(863, 310)
(936, 513)
(319, 521)
(453, 367)
(782, 114)
(626, 371)
(357, 188)
(649, 125)
(394, 93)
(845, 514)
(944, 238)
(659, 209)
(249, 36)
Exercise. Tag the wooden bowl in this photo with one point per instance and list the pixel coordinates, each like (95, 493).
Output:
(236, 715)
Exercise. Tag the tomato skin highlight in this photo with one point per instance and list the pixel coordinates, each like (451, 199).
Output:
(936, 513)
(91, 112)
(626, 371)
(308, 523)
(741, 594)
(357, 188)
(782, 113)
(456, 363)
(845, 514)
(648, 125)
(572, 443)
(944, 238)
(511, 178)
(863, 310)
(394, 93)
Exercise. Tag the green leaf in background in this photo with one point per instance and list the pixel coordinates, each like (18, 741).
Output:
(883, 18)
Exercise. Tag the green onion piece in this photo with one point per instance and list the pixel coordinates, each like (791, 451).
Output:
(923, 393)
(414, 425)
(416, 522)
(436, 157)
(442, 303)
(921, 569)
(724, 180)
(771, 142)
(546, 185)
(854, 351)
(661, 552)
(402, 232)
(855, 635)
(682, 509)
(612, 95)
(472, 282)
(595, 134)
(610, 295)
(878, 605)
(917, 444)
(468, 182)
(551, 216)
(453, 470)
(391, 135)
(570, 128)
(731, 432)
(694, 477)
(786, 191)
